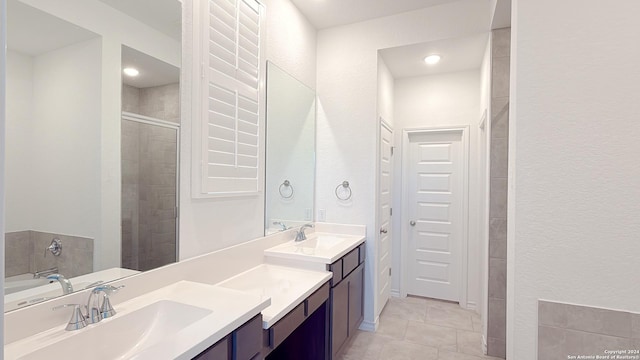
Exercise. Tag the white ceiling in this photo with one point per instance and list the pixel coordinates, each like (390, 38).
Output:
(162, 15)
(34, 32)
(457, 54)
(153, 72)
(328, 13)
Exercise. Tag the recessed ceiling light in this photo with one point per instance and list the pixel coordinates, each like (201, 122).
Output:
(432, 59)
(131, 71)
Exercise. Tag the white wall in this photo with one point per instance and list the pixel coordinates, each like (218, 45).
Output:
(19, 179)
(347, 112)
(574, 197)
(51, 167)
(210, 224)
(386, 84)
(435, 101)
(484, 143)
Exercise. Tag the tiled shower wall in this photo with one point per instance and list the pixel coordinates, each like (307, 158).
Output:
(566, 330)
(149, 170)
(159, 102)
(496, 327)
(25, 253)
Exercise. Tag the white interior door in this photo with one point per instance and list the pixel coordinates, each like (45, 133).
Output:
(384, 214)
(436, 226)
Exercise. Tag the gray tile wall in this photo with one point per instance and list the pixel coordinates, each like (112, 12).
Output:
(161, 102)
(566, 329)
(25, 253)
(496, 327)
(18, 252)
(149, 167)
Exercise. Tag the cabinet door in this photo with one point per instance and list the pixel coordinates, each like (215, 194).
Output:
(356, 292)
(219, 351)
(339, 316)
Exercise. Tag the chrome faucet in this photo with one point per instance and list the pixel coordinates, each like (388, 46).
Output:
(97, 311)
(300, 235)
(282, 225)
(67, 288)
(43, 273)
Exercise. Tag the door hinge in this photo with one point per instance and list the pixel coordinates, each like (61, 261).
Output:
(393, 147)
(390, 211)
(389, 271)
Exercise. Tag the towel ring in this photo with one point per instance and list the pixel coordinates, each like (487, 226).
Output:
(284, 185)
(347, 188)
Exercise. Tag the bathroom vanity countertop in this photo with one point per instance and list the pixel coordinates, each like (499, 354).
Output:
(218, 312)
(320, 247)
(287, 287)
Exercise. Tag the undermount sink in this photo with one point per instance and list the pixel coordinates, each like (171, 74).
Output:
(177, 321)
(321, 241)
(319, 247)
(123, 336)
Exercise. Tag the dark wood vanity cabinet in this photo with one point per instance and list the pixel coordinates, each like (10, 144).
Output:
(244, 343)
(303, 333)
(346, 298)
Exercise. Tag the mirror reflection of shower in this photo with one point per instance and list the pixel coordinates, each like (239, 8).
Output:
(150, 160)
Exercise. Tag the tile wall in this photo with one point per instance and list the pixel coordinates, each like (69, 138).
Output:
(566, 330)
(149, 185)
(496, 327)
(25, 253)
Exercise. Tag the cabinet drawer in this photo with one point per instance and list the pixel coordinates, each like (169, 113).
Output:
(219, 351)
(313, 302)
(247, 340)
(336, 269)
(350, 262)
(286, 325)
(362, 253)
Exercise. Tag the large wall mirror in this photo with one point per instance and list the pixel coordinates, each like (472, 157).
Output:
(290, 162)
(91, 151)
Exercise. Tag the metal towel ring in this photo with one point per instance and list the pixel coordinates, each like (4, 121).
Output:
(345, 185)
(286, 184)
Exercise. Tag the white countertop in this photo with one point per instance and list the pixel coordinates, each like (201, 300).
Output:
(227, 310)
(320, 247)
(287, 287)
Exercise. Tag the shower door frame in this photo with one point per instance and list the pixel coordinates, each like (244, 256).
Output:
(171, 125)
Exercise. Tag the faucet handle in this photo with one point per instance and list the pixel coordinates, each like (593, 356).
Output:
(77, 321)
(106, 310)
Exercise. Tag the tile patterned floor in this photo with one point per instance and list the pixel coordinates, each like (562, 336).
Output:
(420, 329)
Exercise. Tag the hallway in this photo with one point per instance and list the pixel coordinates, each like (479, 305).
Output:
(420, 329)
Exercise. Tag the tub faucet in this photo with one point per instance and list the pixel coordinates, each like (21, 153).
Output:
(281, 224)
(43, 273)
(301, 235)
(67, 288)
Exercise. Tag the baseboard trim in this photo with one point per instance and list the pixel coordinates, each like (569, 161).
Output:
(484, 344)
(471, 305)
(395, 293)
(369, 326)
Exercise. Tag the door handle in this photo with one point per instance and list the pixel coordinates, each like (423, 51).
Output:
(412, 223)
(383, 231)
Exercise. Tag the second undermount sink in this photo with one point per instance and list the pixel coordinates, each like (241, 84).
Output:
(321, 241)
(319, 247)
(124, 336)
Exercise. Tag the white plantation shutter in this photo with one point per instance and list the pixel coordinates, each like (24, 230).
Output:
(232, 61)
